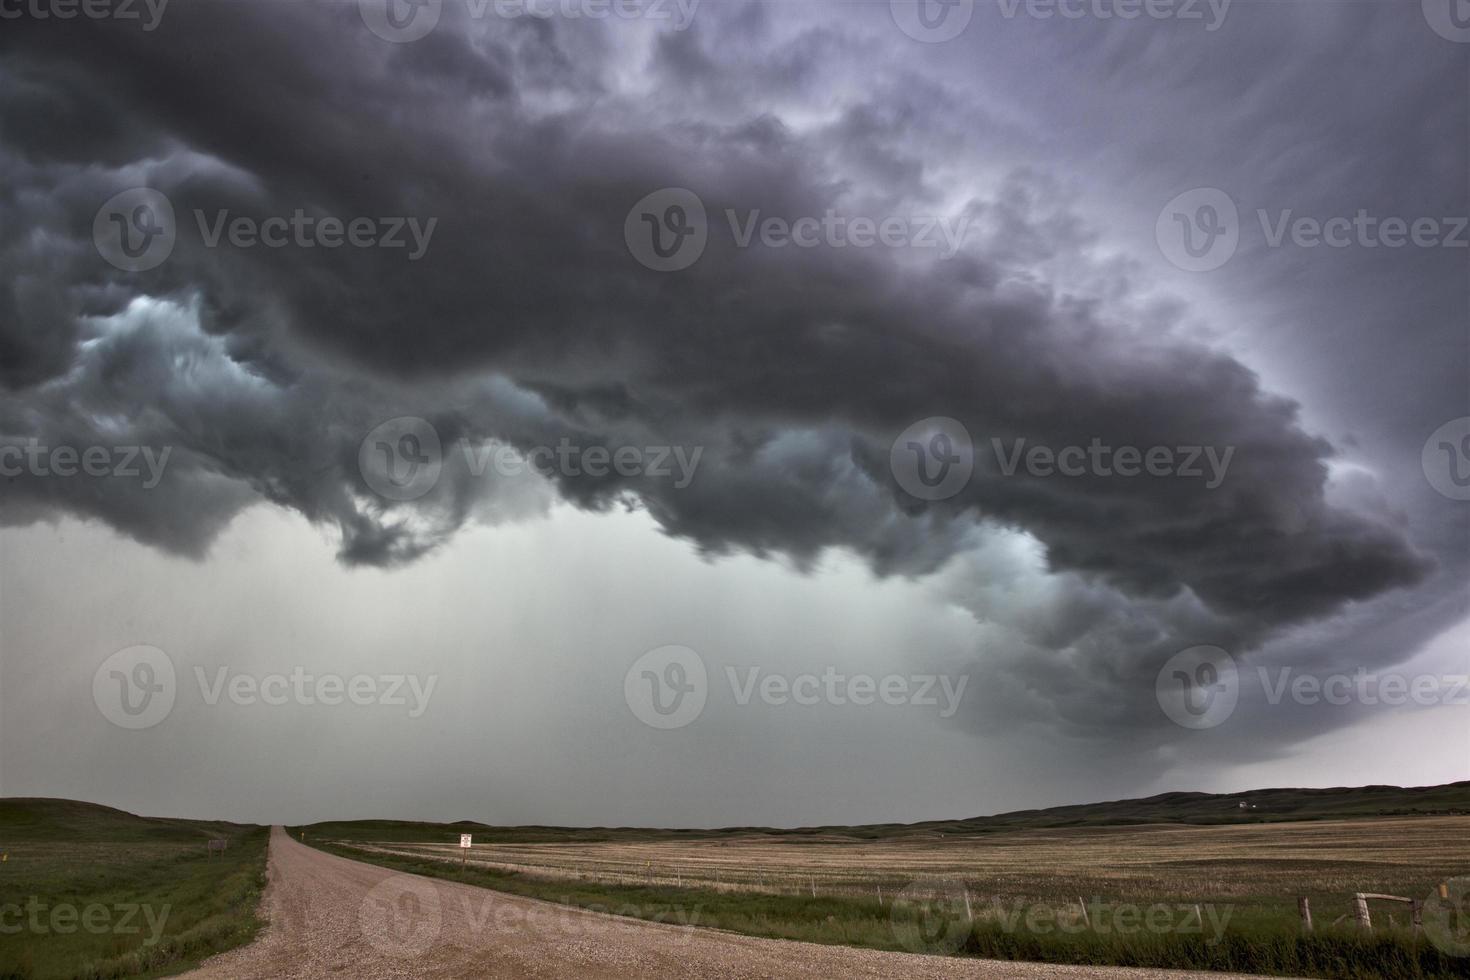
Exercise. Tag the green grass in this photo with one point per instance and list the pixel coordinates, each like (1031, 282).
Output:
(1261, 935)
(74, 873)
(1252, 943)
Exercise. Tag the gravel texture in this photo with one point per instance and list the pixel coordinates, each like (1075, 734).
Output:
(331, 917)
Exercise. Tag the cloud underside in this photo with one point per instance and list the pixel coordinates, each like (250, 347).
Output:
(527, 320)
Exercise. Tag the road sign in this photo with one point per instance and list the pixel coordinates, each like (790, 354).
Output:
(465, 839)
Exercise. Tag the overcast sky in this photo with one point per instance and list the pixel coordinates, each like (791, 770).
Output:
(443, 360)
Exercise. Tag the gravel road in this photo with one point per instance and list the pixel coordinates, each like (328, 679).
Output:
(331, 917)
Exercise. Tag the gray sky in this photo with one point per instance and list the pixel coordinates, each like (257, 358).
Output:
(1092, 236)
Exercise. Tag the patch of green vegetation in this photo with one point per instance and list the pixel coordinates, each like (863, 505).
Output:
(1342, 954)
(1261, 938)
(93, 893)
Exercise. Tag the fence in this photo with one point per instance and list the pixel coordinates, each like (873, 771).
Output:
(1361, 914)
(759, 880)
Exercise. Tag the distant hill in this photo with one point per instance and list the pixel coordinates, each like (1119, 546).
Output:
(1261, 806)
(25, 819)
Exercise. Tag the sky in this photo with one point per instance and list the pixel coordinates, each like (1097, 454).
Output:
(703, 413)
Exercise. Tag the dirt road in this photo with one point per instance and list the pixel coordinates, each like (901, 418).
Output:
(331, 917)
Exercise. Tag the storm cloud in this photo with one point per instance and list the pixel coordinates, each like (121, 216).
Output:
(527, 320)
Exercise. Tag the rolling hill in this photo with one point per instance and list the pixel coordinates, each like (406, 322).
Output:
(1261, 806)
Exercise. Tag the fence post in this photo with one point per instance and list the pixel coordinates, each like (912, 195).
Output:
(1086, 919)
(1360, 911)
(1417, 914)
(1304, 908)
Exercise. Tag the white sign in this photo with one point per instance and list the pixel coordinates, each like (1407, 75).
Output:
(464, 840)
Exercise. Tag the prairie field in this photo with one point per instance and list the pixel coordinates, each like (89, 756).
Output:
(90, 893)
(1256, 862)
(1165, 895)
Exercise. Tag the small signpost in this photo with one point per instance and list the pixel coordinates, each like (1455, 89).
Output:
(217, 845)
(465, 841)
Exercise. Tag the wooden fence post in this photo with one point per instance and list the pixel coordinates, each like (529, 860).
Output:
(1417, 914)
(1086, 919)
(1360, 911)
(1304, 909)
(1360, 907)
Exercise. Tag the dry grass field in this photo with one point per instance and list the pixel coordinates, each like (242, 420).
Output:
(1246, 862)
(1178, 881)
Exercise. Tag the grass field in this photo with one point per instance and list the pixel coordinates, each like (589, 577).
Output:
(1217, 890)
(1325, 860)
(1183, 880)
(91, 892)
(1262, 806)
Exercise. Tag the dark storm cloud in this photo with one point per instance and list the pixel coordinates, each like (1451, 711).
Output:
(794, 369)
